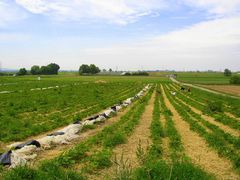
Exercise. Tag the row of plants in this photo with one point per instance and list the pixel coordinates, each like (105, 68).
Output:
(214, 128)
(153, 164)
(73, 103)
(230, 104)
(225, 144)
(213, 108)
(94, 153)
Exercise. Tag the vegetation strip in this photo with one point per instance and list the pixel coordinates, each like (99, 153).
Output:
(196, 148)
(153, 164)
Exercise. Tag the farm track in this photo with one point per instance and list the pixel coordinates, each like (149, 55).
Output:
(197, 149)
(210, 119)
(54, 152)
(141, 135)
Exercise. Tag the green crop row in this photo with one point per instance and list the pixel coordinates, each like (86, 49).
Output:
(73, 103)
(231, 104)
(218, 116)
(86, 152)
(216, 138)
(154, 166)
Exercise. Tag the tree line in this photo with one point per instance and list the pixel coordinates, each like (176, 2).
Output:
(50, 69)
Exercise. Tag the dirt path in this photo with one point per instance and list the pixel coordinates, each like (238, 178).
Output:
(54, 152)
(232, 116)
(128, 151)
(210, 119)
(197, 149)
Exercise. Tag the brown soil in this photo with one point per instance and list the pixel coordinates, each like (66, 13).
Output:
(229, 89)
(199, 152)
(232, 116)
(127, 151)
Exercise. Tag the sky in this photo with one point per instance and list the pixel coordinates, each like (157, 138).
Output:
(121, 34)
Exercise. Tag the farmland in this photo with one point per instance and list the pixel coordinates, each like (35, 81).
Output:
(203, 77)
(160, 135)
(228, 89)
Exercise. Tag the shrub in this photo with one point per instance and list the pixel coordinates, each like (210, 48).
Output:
(235, 80)
(214, 106)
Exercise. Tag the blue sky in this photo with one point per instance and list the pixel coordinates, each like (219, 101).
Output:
(128, 34)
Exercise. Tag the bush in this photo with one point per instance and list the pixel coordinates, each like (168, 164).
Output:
(235, 80)
(214, 106)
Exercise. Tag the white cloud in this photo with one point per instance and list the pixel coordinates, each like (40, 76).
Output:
(208, 45)
(114, 11)
(219, 8)
(9, 13)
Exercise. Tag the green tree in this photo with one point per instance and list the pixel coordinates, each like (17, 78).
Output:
(84, 69)
(45, 70)
(35, 70)
(110, 70)
(22, 72)
(227, 72)
(93, 69)
(53, 68)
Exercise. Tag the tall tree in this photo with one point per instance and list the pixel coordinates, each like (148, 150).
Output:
(45, 70)
(22, 72)
(94, 69)
(227, 72)
(53, 68)
(88, 69)
(35, 70)
(84, 69)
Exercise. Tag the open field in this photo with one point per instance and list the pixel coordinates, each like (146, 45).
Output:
(203, 78)
(159, 136)
(228, 89)
(207, 78)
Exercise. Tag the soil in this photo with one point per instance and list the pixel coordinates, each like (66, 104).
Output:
(229, 89)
